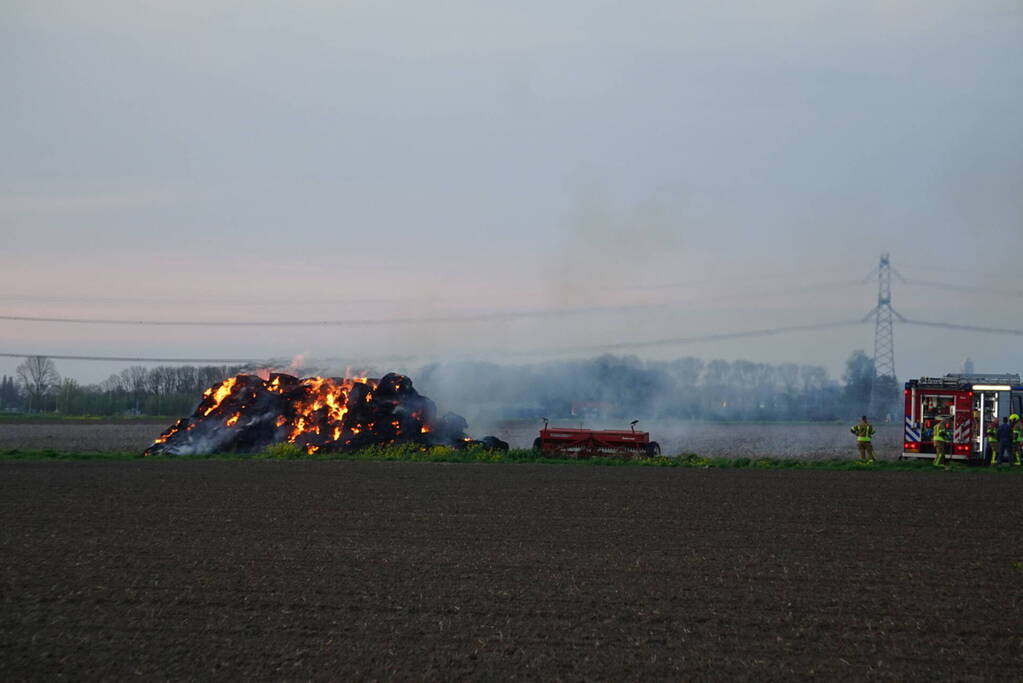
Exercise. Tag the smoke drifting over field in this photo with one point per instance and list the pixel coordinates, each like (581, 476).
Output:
(625, 387)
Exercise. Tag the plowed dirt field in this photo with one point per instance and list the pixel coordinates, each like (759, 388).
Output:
(357, 570)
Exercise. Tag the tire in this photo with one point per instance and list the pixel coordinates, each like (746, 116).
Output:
(653, 449)
(537, 445)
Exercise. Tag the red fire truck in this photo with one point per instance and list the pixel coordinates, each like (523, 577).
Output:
(970, 401)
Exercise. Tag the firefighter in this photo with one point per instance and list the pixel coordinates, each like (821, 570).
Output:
(992, 440)
(941, 437)
(1004, 442)
(1017, 437)
(864, 432)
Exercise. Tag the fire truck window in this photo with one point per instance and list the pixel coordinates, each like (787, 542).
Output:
(938, 406)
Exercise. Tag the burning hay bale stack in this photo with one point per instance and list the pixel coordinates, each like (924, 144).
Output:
(245, 414)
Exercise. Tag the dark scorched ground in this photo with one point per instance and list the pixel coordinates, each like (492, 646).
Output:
(339, 570)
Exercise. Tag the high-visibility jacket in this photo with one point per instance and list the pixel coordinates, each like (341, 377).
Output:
(940, 432)
(863, 432)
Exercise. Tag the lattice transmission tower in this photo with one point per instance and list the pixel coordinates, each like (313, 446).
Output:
(884, 337)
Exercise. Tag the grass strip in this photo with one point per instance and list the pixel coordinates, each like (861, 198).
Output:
(408, 453)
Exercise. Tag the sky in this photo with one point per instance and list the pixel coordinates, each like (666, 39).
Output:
(512, 181)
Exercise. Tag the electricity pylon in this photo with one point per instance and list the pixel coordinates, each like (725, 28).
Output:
(884, 338)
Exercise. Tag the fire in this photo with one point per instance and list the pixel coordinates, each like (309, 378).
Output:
(247, 413)
(323, 394)
(222, 392)
(298, 429)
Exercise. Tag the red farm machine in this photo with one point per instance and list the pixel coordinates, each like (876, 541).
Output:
(590, 443)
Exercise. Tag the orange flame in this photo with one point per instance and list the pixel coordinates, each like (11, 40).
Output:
(326, 401)
(222, 392)
(322, 405)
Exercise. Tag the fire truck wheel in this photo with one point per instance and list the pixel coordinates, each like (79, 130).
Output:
(653, 449)
(537, 444)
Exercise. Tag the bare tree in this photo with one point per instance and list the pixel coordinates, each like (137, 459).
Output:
(113, 383)
(134, 380)
(788, 375)
(37, 377)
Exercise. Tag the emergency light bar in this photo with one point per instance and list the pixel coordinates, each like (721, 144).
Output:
(991, 387)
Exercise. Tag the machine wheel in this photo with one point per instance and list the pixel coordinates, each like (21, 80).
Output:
(537, 444)
(653, 449)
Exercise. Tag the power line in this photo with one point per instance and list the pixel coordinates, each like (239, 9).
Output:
(747, 295)
(135, 359)
(262, 302)
(964, 288)
(750, 283)
(354, 322)
(967, 328)
(681, 341)
(673, 341)
(448, 319)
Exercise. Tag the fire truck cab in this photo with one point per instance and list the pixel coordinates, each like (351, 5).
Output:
(970, 401)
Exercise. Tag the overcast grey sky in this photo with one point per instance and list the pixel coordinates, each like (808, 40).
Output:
(691, 165)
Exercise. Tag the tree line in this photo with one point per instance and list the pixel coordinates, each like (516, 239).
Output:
(606, 386)
(37, 387)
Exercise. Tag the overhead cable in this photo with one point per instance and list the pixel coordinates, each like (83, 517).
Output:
(135, 359)
(967, 328)
(673, 341)
(354, 322)
(682, 341)
(964, 287)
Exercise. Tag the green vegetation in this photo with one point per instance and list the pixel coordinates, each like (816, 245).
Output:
(411, 453)
(282, 451)
(15, 454)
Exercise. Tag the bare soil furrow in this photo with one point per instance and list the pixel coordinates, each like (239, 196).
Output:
(333, 570)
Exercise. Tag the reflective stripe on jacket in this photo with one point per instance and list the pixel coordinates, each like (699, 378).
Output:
(863, 432)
